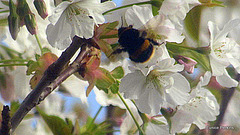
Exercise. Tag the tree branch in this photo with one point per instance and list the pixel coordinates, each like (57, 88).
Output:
(49, 76)
(6, 126)
(73, 68)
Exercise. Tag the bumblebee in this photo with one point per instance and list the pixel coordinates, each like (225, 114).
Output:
(135, 42)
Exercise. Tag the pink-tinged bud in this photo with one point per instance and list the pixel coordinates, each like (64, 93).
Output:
(187, 62)
(40, 5)
(13, 20)
(22, 8)
(31, 24)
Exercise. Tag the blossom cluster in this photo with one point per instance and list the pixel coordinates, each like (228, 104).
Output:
(161, 94)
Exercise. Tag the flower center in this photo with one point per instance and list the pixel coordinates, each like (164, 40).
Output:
(220, 50)
(74, 10)
(159, 80)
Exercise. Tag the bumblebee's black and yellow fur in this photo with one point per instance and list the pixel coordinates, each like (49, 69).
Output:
(139, 48)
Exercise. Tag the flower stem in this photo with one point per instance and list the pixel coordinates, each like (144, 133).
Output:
(142, 115)
(134, 119)
(9, 65)
(13, 60)
(129, 5)
(94, 118)
(39, 44)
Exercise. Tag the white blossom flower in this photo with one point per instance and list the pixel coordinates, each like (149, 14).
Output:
(176, 10)
(201, 108)
(159, 27)
(224, 51)
(77, 17)
(162, 84)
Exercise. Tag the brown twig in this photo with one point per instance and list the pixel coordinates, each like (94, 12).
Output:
(6, 125)
(73, 68)
(49, 76)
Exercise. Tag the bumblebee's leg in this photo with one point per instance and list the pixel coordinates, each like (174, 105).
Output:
(155, 42)
(120, 50)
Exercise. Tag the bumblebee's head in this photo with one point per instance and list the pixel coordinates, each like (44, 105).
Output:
(122, 29)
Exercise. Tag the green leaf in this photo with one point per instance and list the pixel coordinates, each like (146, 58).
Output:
(118, 72)
(105, 81)
(94, 129)
(192, 22)
(32, 66)
(109, 27)
(114, 88)
(57, 125)
(181, 49)
(45, 50)
(14, 106)
(156, 5)
(37, 56)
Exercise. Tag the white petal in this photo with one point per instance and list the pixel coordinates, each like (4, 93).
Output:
(205, 79)
(57, 34)
(213, 29)
(217, 66)
(138, 16)
(96, 10)
(155, 129)
(132, 84)
(168, 65)
(179, 121)
(227, 28)
(82, 26)
(178, 94)
(58, 12)
(171, 34)
(226, 81)
(150, 101)
(143, 103)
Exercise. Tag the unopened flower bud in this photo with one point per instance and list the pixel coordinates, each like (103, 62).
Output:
(22, 8)
(13, 20)
(40, 5)
(187, 62)
(31, 24)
